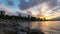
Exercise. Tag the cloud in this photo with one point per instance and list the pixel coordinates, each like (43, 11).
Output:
(25, 5)
(48, 6)
(52, 3)
(10, 12)
(5, 8)
(9, 2)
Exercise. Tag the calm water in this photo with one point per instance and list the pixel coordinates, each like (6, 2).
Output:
(48, 27)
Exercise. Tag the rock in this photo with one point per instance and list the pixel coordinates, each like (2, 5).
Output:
(11, 32)
(1, 32)
(35, 31)
(21, 32)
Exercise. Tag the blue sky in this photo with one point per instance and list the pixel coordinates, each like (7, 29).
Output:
(20, 4)
(15, 2)
(25, 4)
(17, 5)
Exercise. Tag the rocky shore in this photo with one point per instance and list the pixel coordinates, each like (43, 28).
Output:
(13, 27)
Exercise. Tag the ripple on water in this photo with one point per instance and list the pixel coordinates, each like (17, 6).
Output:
(49, 27)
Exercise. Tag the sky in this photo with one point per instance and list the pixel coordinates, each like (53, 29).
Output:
(32, 7)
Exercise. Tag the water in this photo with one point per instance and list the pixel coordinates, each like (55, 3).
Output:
(48, 27)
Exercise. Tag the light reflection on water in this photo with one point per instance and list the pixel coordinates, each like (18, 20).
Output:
(48, 27)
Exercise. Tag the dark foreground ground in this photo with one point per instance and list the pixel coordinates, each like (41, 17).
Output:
(13, 27)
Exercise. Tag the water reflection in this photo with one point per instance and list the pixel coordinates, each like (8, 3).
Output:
(48, 27)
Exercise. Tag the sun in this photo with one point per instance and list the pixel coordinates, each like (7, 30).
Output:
(48, 17)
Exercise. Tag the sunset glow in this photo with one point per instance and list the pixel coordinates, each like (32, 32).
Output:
(47, 13)
(37, 8)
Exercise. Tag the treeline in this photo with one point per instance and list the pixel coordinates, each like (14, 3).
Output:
(29, 18)
(19, 18)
